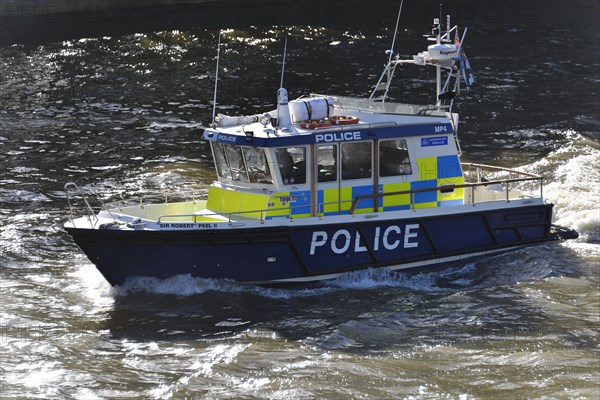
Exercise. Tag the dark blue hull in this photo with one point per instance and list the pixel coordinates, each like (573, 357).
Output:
(304, 253)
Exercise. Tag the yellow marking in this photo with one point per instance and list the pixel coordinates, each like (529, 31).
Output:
(331, 198)
(346, 198)
(277, 207)
(431, 204)
(396, 200)
(457, 194)
(427, 168)
(300, 215)
(226, 201)
(253, 202)
(231, 201)
(204, 218)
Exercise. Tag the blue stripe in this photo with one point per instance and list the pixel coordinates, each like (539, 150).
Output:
(346, 133)
(450, 203)
(448, 167)
(268, 217)
(425, 197)
(302, 203)
(397, 208)
(362, 190)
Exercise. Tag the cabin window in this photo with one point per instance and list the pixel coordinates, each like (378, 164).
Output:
(220, 160)
(245, 164)
(292, 164)
(257, 166)
(235, 160)
(356, 160)
(327, 162)
(393, 158)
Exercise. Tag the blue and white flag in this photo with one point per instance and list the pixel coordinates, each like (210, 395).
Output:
(465, 67)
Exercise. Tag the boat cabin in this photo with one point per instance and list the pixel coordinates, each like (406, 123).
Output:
(323, 155)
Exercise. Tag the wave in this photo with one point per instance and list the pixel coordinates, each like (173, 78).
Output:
(187, 285)
(449, 279)
(573, 175)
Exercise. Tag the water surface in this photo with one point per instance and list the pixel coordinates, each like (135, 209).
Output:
(124, 113)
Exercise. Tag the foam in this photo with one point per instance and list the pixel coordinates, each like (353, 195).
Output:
(187, 285)
(573, 176)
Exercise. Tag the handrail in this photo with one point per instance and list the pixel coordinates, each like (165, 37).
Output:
(319, 206)
(102, 203)
(77, 190)
(494, 168)
(371, 125)
(448, 187)
(122, 203)
(369, 105)
(354, 202)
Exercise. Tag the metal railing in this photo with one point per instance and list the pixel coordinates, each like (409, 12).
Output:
(479, 168)
(371, 105)
(320, 207)
(342, 206)
(445, 189)
(143, 200)
(71, 187)
(230, 217)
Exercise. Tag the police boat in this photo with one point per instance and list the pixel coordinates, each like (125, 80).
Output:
(324, 185)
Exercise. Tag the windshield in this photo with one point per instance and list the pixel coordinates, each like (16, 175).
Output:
(242, 164)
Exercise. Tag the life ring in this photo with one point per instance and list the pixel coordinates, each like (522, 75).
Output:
(343, 120)
(315, 124)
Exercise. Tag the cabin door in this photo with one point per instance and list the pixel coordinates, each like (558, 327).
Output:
(327, 179)
(343, 171)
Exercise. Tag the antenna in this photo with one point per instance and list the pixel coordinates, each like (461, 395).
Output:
(388, 72)
(438, 40)
(396, 31)
(283, 112)
(283, 66)
(216, 78)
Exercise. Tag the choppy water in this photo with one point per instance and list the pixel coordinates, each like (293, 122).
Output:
(123, 112)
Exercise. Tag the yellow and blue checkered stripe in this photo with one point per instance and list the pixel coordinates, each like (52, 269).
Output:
(295, 203)
(433, 172)
(328, 200)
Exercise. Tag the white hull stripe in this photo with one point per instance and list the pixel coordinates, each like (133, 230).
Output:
(391, 268)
